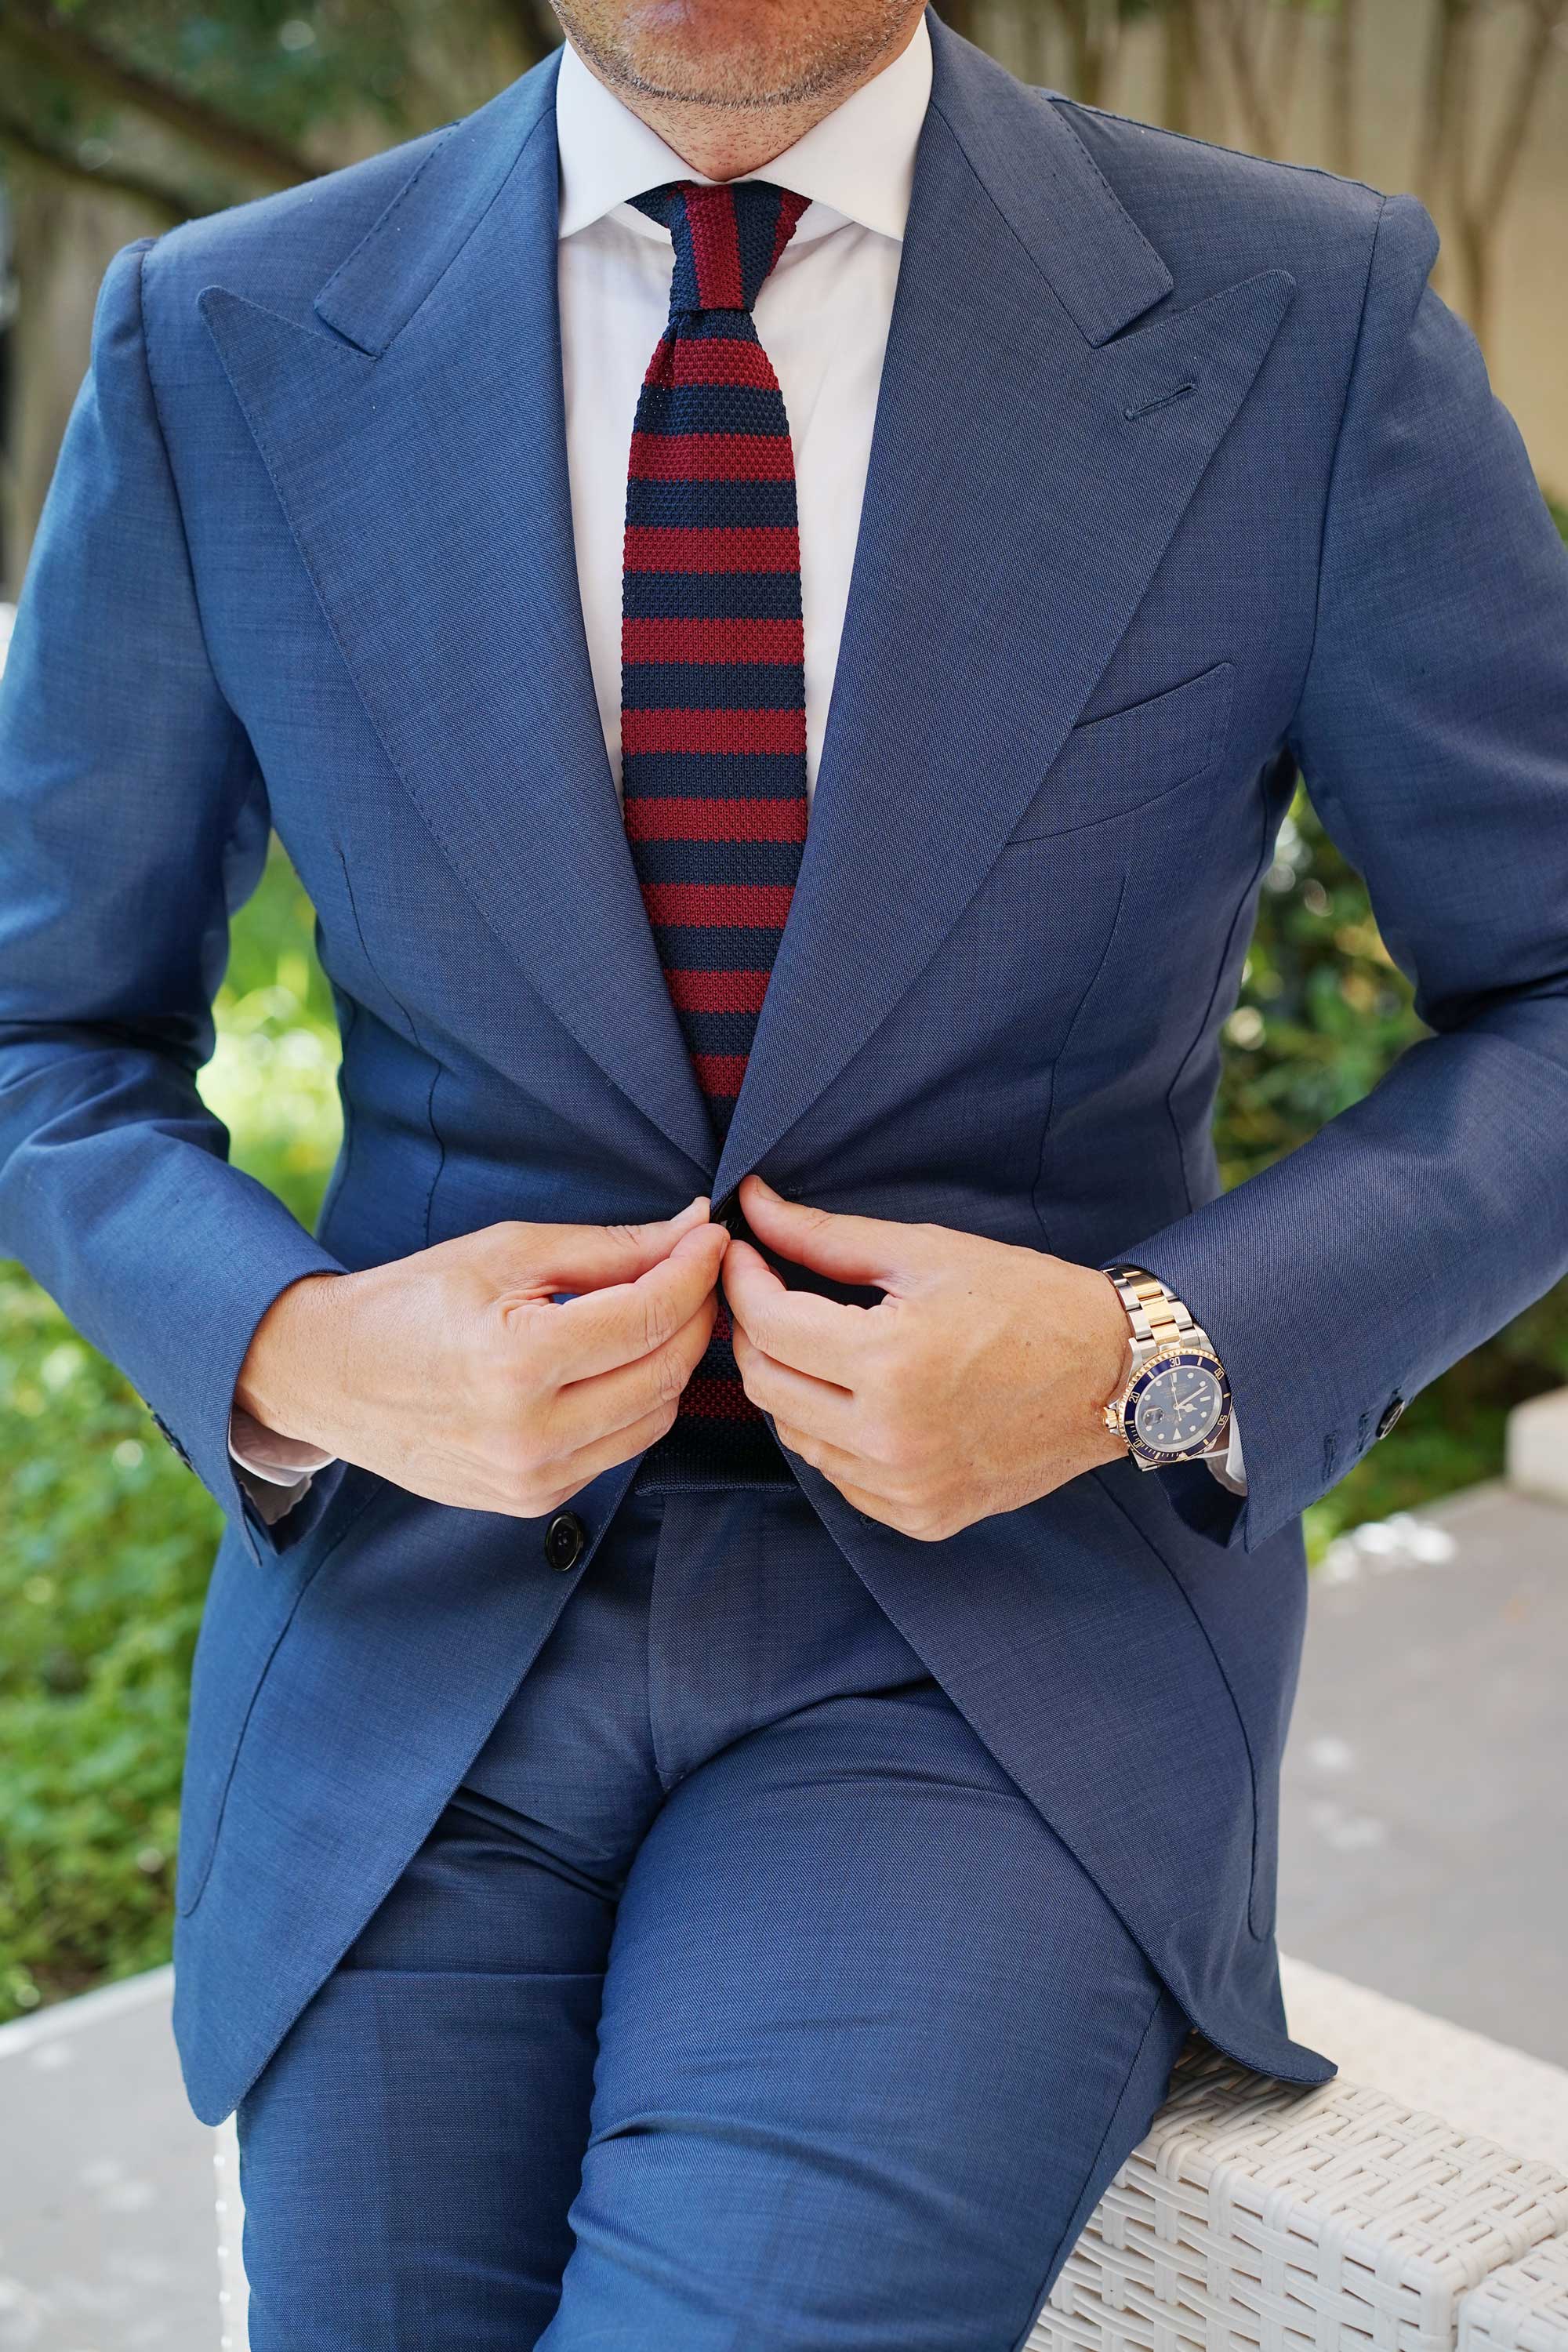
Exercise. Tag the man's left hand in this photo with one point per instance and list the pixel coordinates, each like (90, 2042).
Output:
(975, 1384)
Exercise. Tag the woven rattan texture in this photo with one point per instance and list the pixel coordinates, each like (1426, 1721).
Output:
(1494, 2091)
(1524, 2308)
(1256, 2215)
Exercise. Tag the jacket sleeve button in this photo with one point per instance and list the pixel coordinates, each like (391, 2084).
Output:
(563, 1540)
(1390, 1414)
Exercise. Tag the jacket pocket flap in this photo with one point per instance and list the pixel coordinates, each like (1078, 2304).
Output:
(1110, 766)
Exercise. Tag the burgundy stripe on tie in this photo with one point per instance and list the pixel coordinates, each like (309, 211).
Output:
(713, 700)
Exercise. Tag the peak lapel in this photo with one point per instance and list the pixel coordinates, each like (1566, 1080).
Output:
(417, 442)
(1025, 478)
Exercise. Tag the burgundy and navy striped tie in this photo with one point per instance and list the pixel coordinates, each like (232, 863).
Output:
(713, 698)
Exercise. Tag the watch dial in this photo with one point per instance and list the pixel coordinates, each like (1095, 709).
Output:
(1180, 1407)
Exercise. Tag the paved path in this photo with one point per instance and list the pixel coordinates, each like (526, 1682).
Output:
(1426, 1797)
(106, 2183)
(1425, 1855)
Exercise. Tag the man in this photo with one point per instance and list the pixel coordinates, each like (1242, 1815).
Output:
(717, 1782)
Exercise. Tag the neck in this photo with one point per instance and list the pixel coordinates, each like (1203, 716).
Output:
(723, 142)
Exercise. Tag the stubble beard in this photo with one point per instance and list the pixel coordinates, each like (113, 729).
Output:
(829, 59)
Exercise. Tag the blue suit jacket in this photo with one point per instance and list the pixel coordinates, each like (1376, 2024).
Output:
(1180, 475)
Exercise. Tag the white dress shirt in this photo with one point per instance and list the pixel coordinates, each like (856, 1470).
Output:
(822, 317)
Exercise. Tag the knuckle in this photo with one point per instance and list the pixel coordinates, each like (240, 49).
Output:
(522, 1467)
(670, 1377)
(659, 1320)
(528, 1342)
(920, 1521)
(516, 1246)
(756, 1332)
(545, 1500)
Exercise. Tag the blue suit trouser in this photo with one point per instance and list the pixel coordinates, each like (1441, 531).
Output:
(738, 1999)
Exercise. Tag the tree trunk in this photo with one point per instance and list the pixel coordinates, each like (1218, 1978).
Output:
(1179, 65)
(1341, 88)
(62, 243)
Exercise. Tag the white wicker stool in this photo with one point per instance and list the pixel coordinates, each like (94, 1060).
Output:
(1256, 2215)
(1524, 2308)
(1259, 2217)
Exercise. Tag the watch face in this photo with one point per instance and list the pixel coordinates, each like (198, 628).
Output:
(1179, 1405)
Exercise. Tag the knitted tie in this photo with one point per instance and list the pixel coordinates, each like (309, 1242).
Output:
(713, 700)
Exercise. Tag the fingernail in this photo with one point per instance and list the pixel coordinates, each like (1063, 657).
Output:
(763, 1185)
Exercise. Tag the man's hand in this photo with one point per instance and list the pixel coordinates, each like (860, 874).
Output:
(975, 1385)
(454, 1374)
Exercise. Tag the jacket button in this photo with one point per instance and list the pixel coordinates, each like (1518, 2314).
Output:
(729, 1213)
(563, 1540)
(1390, 1414)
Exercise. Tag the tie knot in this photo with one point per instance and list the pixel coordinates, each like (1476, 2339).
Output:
(726, 238)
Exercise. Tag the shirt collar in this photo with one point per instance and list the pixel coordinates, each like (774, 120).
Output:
(857, 165)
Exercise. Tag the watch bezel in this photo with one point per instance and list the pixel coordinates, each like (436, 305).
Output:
(1155, 1458)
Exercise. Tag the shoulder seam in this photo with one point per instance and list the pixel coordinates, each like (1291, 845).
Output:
(1215, 147)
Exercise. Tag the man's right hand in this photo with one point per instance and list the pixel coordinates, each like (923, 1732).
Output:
(453, 1373)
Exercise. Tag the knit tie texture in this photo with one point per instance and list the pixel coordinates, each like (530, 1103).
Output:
(713, 699)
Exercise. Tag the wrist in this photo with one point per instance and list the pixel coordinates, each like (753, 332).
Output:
(1113, 1339)
(280, 1383)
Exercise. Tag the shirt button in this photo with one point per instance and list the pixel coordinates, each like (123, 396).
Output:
(1390, 1414)
(563, 1540)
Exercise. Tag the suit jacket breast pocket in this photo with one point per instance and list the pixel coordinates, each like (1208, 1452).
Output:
(1115, 765)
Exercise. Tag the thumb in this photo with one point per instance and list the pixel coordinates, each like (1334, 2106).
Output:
(878, 1251)
(591, 1257)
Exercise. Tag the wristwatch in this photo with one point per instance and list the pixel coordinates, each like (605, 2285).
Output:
(1174, 1404)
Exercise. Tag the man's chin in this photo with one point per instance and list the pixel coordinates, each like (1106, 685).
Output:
(715, 54)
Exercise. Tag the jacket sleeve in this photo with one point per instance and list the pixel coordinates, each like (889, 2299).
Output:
(132, 821)
(1432, 731)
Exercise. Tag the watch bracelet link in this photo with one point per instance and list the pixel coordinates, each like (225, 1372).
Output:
(1158, 1318)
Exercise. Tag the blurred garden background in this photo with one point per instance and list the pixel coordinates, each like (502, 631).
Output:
(120, 117)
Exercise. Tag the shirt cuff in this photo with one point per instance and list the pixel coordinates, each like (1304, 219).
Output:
(1231, 1471)
(279, 1468)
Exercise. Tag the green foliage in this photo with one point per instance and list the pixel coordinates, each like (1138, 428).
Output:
(274, 63)
(189, 111)
(273, 1079)
(106, 1550)
(108, 1541)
